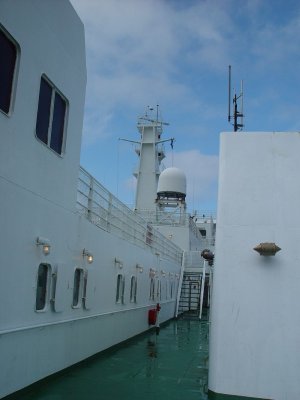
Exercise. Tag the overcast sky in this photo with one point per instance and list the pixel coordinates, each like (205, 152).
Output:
(176, 53)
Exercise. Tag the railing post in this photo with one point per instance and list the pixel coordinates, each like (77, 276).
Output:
(180, 284)
(202, 289)
(90, 199)
(109, 209)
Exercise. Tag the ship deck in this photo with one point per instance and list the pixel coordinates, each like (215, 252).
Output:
(171, 366)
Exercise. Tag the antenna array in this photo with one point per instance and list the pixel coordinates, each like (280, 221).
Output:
(238, 116)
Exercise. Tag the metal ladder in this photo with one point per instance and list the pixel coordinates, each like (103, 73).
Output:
(190, 296)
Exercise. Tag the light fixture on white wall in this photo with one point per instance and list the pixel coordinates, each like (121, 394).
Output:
(89, 256)
(139, 268)
(152, 272)
(118, 263)
(267, 249)
(44, 243)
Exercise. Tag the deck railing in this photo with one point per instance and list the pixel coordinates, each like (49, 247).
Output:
(179, 217)
(104, 210)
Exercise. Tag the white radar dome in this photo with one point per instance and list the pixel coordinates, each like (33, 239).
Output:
(172, 183)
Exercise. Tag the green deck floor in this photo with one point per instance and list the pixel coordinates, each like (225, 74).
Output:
(170, 366)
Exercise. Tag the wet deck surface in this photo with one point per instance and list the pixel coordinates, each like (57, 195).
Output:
(170, 366)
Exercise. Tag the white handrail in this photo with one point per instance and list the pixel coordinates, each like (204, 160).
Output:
(202, 289)
(180, 284)
(107, 212)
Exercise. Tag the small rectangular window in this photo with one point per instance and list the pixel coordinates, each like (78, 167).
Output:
(42, 286)
(43, 116)
(133, 289)
(158, 291)
(8, 57)
(152, 289)
(78, 287)
(203, 232)
(120, 289)
(51, 116)
(58, 124)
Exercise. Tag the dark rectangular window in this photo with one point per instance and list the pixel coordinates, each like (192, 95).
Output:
(8, 56)
(120, 289)
(58, 124)
(42, 287)
(133, 289)
(152, 289)
(50, 122)
(43, 116)
(77, 289)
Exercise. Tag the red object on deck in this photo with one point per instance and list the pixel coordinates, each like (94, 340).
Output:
(152, 314)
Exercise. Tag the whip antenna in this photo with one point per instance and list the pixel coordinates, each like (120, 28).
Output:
(229, 91)
(238, 116)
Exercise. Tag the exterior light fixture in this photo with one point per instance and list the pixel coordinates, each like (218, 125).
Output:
(207, 255)
(139, 268)
(118, 263)
(152, 273)
(88, 255)
(45, 243)
(163, 273)
(267, 249)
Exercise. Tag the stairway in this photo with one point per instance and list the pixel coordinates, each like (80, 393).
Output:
(190, 296)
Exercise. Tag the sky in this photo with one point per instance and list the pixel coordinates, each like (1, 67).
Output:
(175, 54)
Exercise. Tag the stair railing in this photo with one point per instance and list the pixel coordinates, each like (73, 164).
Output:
(180, 284)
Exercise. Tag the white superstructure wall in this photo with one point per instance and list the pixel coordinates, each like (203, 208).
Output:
(255, 320)
(56, 52)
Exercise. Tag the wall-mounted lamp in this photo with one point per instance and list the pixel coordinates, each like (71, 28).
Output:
(118, 263)
(152, 273)
(45, 243)
(163, 273)
(139, 268)
(207, 255)
(267, 249)
(88, 255)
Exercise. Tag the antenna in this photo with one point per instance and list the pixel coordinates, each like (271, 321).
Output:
(242, 103)
(146, 117)
(229, 91)
(237, 125)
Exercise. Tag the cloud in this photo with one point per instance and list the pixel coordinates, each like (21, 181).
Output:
(141, 52)
(95, 126)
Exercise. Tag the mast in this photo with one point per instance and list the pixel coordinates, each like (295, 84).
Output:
(150, 150)
(151, 153)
